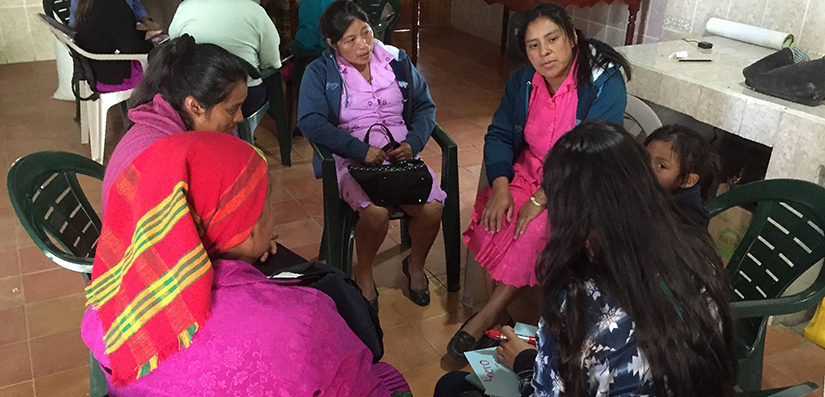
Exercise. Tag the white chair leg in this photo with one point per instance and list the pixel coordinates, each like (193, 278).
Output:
(98, 137)
(85, 120)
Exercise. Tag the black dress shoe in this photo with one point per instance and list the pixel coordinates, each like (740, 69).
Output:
(420, 297)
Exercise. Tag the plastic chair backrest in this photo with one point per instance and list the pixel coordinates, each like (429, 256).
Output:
(639, 119)
(246, 128)
(382, 24)
(52, 207)
(58, 9)
(784, 240)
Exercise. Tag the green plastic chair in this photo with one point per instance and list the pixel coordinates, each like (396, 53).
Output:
(784, 240)
(339, 218)
(382, 26)
(54, 211)
(275, 107)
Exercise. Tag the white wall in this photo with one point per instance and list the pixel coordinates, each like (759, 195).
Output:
(23, 37)
(661, 20)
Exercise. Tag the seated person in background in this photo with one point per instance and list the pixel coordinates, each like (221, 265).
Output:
(108, 27)
(242, 27)
(309, 42)
(141, 17)
(635, 301)
(213, 324)
(357, 83)
(686, 168)
(570, 78)
(188, 87)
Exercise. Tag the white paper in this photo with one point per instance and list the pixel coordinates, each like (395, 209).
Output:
(498, 380)
(749, 34)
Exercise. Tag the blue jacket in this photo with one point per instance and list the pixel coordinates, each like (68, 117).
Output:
(319, 106)
(605, 98)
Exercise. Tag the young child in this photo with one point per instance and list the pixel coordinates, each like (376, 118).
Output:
(686, 167)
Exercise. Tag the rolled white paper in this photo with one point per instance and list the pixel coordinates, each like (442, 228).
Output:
(749, 34)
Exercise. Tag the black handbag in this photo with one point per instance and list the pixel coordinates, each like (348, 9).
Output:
(400, 183)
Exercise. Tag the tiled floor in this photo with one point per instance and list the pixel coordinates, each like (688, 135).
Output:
(41, 305)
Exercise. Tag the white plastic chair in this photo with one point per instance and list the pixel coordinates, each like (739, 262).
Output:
(639, 119)
(93, 111)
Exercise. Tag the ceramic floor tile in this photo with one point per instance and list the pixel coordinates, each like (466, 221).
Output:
(9, 263)
(288, 211)
(422, 380)
(12, 326)
(70, 383)
(299, 233)
(16, 363)
(58, 353)
(405, 348)
(438, 330)
(24, 389)
(52, 284)
(55, 315)
(11, 293)
(33, 260)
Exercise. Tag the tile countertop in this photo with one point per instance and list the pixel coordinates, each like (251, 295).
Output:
(715, 93)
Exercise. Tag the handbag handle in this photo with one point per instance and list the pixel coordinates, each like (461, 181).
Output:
(386, 132)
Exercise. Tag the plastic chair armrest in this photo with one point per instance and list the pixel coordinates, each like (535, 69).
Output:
(442, 139)
(266, 73)
(778, 306)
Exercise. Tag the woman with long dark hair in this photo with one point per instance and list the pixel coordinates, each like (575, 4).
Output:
(188, 86)
(634, 296)
(569, 78)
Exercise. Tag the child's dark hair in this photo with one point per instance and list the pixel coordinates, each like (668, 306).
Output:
(182, 68)
(695, 156)
(338, 16)
(586, 58)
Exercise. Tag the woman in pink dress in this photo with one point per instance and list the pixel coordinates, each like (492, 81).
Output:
(359, 82)
(569, 78)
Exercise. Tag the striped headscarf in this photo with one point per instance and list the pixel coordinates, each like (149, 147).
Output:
(183, 200)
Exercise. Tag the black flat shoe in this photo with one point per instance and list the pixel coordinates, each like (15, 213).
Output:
(420, 297)
(461, 342)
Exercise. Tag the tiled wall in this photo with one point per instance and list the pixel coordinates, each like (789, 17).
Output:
(666, 19)
(23, 36)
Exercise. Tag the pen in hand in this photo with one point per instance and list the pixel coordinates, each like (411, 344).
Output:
(496, 334)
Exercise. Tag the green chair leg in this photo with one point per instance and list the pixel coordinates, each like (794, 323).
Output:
(277, 110)
(750, 369)
(406, 240)
(450, 215)
(97, 380)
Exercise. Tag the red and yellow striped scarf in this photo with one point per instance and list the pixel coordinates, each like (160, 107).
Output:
(185, 198)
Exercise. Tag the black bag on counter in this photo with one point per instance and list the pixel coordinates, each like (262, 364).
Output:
(400, 183)
(787, 74)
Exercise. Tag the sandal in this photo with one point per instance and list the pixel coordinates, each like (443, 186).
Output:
(420, 297)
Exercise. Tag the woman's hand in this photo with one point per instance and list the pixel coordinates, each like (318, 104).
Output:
(529, 211)
(375, 156)
(401, 153)
(507, 351)
(273, 248)
(498, 206)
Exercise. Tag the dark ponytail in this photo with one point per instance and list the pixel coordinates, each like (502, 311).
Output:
(182, 68)
(586, 59)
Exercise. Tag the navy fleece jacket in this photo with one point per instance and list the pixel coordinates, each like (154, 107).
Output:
(319, 106)
(605, 98)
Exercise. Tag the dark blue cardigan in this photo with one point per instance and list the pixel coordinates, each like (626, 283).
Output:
(605, 98)
(319, 106)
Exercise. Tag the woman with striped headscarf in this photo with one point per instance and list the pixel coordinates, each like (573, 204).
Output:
(175, 308)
